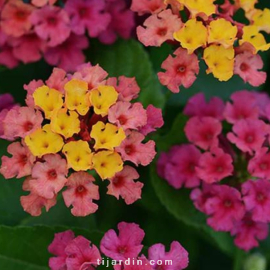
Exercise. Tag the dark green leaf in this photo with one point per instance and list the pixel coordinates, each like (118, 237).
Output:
(130, 59)
(26, 247)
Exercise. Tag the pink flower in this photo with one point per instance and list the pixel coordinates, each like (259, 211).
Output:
(125, 245)
(247, 66)
(177, 254)
(158, 28)
(203, 131)
(127, 88)
(57, 80)
(33, 204)
(15, 18)
(67, 55)
(134, 150)
(41, 3)
(57, 247)
(6, 101)
(179, 168)
(122, 184)
(244, 107)
(7, 58)
(154, 120)
(197, 106)
(248, 135)
(147, 6)
(80, 194)
(20, 164)
(259, 165)
(214, 166)
(248, 232)
(28, 48)
(21, 121)
(93, 75)
(179, 70)
(199, 196)
(52, 24)
(127, 115)
(262, 101)
(87, 15)
(257, 200)
(30, 88)
(49, 176)
(119, 14)
(81, 255)
(225, 207)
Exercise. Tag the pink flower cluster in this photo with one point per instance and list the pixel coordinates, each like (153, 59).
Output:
(42, 29)
(166, 18)
(226, 164)
(77, 253)
(48, 174)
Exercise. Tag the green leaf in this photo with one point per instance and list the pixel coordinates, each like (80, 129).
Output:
(175, 135)
(129, 58)
(11, 212)
(178, 203)
(26, 247)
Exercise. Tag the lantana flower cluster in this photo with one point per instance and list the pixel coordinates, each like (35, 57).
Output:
(30, 30)
(203, 29)
(124, 248)
(75, 124)
(226, 163)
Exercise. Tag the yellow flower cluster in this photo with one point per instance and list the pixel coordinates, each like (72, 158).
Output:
(63, 113)
(218, 36)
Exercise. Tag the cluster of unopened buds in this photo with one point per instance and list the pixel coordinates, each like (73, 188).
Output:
(75, 125)
(124, 249)
(226, 164)
(208, 30)
(56, 30)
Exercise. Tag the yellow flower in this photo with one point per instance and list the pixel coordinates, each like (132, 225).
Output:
(65, 123)
(199, 6)
(103, 98)
(261, 18)
(252, 35)
(107, 163)
(44, 141)
(49, 100)
(79, 155)
(192, 35)
(107, 136)
(77, 96)
(222, 32)
(247, 5)
(220, 61)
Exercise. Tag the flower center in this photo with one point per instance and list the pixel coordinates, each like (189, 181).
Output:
(244, 67)
(122, 119)
(28, 126)
(181, 69)
(162, 31)
(122, 250)
(228, 203)
(250, 139)
(80, 189)
(52, 174)
(52, 21)
(263, 166)
(260, 197)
